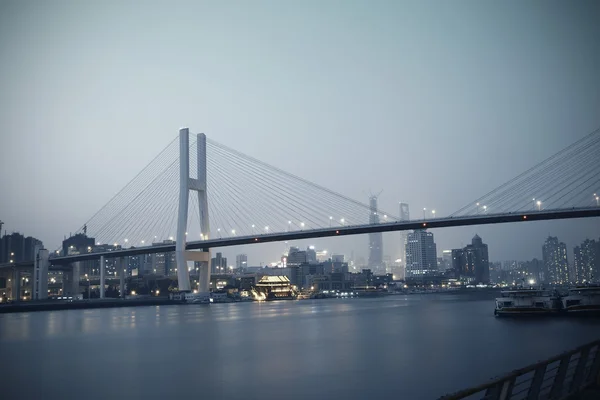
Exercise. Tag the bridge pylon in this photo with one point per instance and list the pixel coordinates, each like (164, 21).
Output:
(199, 185)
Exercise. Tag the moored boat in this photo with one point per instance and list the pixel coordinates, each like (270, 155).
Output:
(582, 300)
(527, 302)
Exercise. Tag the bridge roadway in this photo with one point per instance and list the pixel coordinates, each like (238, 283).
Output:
(446, 222)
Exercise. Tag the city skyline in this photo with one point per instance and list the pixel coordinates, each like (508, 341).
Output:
(392, 93)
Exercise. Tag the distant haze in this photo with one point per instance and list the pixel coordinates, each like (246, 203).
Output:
(434, 102)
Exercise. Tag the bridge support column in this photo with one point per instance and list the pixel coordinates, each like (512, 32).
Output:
(201, 187)
(16, 285)
(183, 274)
(203, 257)
(76, 278)
(122, 272)
(67, 282)
(40, 274)
(102, 277)
(185, 185)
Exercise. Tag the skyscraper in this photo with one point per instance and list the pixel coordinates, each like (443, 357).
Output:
(421, 254)
(556, 267)
(404, 216)
(587, 261)
(241, 261)
(376, 238)
(471, 263)
(218, 264)
(16, 248)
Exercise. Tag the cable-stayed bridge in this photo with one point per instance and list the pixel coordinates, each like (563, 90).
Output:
(198, 194)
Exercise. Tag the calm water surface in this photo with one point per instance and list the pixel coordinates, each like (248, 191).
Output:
(413, 347)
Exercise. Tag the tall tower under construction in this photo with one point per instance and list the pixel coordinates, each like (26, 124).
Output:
(375, 239)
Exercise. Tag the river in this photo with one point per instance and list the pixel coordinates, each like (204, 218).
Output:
(409, 347)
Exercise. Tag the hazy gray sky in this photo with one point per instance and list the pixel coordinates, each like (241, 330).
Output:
(434, 102)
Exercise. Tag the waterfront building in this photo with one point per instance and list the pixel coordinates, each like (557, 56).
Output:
(275, 287)
(587, 261)
(556, 267)
(471, 263)
(17, 248)
(421, 254)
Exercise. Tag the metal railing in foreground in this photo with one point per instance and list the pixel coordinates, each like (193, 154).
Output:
(560, 377)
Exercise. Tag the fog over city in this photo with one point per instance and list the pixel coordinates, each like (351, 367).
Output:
(435, 106)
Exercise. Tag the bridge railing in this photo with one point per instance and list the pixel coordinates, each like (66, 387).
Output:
(560, 377)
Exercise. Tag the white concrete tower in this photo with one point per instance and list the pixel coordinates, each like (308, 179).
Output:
(40, 273)
(185, 185)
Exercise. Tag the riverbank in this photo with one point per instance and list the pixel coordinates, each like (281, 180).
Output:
(82, 304)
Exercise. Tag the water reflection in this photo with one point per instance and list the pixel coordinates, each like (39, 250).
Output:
(351, 349)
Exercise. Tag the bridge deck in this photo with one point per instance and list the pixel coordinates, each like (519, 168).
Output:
(446, 222)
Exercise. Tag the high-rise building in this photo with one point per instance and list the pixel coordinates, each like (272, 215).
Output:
(556, 267)
(375, 238)
(587, 261)
(421, 254)
(13, 248)
(471, 263)
(337, 258)
(80, 243)
(479, 255)
(311, 255)
(296, 256)
(17, 248)
(446, 260)
(218, 264)
(535, 269)
(404, 216)
(30, 243)
(241, 261)
(164, 263)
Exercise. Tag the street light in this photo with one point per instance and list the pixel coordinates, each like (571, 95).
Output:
(539, 205)
(433, 213)
(267, 229)
(233, 231)
(424, 215)
(330, 221)
(302, 224)
(484, 208)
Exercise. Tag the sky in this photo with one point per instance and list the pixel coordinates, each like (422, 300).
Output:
(434, 102)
